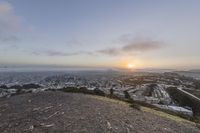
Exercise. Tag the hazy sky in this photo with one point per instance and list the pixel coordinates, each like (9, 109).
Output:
(101, 33)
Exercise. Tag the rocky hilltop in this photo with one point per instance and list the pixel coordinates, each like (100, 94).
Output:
(69, 112)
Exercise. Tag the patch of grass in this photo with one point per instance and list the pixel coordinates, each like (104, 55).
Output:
(131, 101)
(107, 99)
(165, 115)
(98, 94)
(135, 106)
(117, 101)
(144, 109)
(83, 90)
(196, 119)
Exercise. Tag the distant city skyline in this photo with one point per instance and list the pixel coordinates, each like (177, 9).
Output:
(132, 34)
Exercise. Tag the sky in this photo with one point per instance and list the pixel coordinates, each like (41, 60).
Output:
(100, 33)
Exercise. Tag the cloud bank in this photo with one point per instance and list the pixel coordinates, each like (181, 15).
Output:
(132, 48)
(59, 53)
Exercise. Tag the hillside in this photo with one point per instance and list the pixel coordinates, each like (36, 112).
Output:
(68, 112)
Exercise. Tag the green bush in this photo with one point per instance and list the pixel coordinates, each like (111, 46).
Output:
(99, 92)
(83, 90)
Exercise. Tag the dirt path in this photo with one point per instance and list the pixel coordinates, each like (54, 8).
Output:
(52, 112)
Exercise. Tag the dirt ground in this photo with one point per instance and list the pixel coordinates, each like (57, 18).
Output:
(59, 112)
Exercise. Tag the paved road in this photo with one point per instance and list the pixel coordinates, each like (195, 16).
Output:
(58, 112)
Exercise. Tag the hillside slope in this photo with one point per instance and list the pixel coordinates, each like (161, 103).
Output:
(68, 112)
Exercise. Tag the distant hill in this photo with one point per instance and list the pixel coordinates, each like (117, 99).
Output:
(189, 71)
(195, 70)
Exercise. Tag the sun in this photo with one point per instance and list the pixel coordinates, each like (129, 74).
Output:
(130, 66)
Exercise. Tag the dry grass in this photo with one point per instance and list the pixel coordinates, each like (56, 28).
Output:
(109, 100)
(145, 109)
(166, 115)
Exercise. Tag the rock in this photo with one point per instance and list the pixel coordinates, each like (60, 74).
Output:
(109, 125)
(31, 128)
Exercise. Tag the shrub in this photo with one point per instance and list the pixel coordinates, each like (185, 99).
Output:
(127, 96)
(3, 87)
(16, 87)
(111, 92)
(70, 89)
(29, 86)
(99, 92)
(135, 106)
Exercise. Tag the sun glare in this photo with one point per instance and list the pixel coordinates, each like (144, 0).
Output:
(130, 66)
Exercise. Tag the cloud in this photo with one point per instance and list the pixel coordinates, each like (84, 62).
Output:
(10, 24)
(59, 53)
(128, 46)
(133, 47)
(10, 39)
(109, 51)
(147, 45)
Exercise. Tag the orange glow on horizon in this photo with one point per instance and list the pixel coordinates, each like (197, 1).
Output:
(131, 66)
(128, 64)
